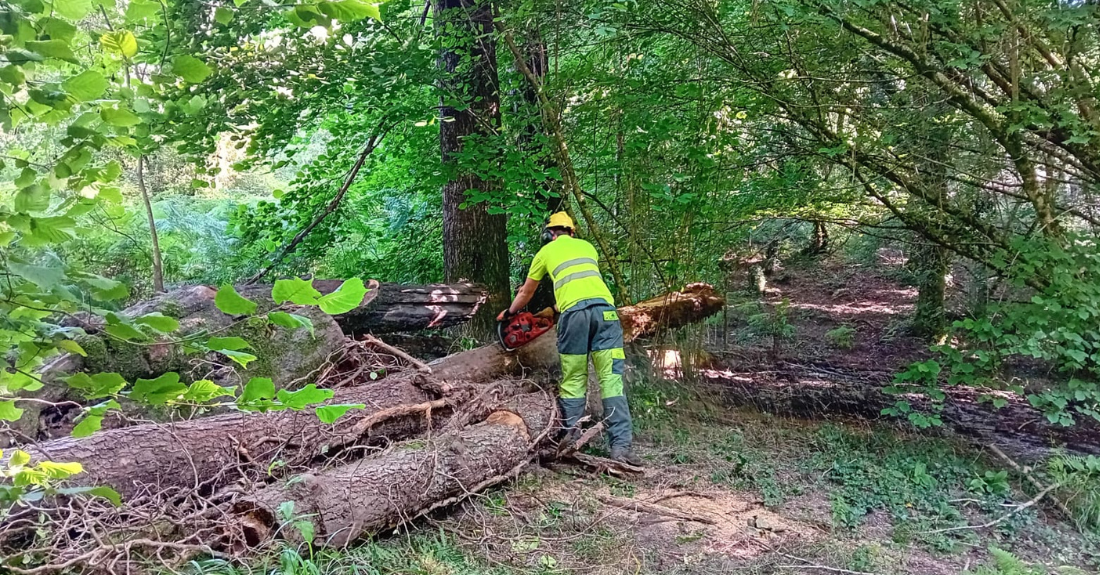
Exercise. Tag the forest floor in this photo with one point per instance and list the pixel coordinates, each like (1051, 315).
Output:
(731, 489)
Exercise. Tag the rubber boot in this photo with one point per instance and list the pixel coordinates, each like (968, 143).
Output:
(620, 430)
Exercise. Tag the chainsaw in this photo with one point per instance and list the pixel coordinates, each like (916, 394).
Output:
(518, 330)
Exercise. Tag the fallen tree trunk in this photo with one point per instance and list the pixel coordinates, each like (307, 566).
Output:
(810, 391)
(669, 311)
(208, 452)
(363, 497)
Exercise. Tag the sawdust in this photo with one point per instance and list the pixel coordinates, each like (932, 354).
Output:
(742, 528)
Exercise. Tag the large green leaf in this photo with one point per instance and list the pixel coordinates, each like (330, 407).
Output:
(43, 276)
(350, 10)
(121, 42)
(230, 343)
(158, 391)
(120, 117)
(34, 198)
(98, 491)
(53, 229)
(56, 29)
(229, 301)
(73, 9)
(190, 68)
(159, 322)
(58, 49)
(330, 413)
(258, 388)
(308, 395)
(93, 421)
(296, 290)
(97, 385)
(240, 357)
(139, 10)
(86, 86)
(223, 15)
(9, 412)
(204, 390)
(293, 321)
(60, 470)
(346, 297)
(125, 332)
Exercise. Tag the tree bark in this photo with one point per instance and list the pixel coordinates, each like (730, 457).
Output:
(931, 264)
(367, 496)
(814, 392)
(392, 307)
(474, 241)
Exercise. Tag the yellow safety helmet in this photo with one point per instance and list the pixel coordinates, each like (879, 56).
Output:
(560, 220)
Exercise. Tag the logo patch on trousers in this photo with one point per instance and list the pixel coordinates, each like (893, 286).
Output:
(610, 316)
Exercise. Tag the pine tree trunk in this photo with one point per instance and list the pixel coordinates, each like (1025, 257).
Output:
(474, 241)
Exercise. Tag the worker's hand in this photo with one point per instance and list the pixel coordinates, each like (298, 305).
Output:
(504, 314)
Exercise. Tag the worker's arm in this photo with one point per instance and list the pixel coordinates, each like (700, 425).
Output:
(523, 297)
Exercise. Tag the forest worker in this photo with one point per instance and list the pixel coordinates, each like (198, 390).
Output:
(589, 324)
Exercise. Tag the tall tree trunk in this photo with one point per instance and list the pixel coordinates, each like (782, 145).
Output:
(158, 266)
(474, 241)
(931, 263)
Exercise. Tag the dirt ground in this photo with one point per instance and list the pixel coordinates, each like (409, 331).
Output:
(730, 489)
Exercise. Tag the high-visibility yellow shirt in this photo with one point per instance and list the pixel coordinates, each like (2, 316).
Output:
(573, 267)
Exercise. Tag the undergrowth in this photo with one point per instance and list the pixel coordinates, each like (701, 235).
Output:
(422, 554)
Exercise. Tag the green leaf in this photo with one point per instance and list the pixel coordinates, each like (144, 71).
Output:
(87, 426)
(104, 289)
(72, 347)
(232, 303)
(290, 320)
(191, 69)
(34, 198)
(204, 390)
(346, 297)
(111, 194)
(44, 277)
(330, 413)
(240, 357)
(121, 42)
(223, 15)
(73, 9)
(308, 395)
(258, 388)
(297, 291)
(86, 86)
(159, 322)
(158, 391)
(96, 386)
(125, 332)
(120, 117)
(19, 458)
(50, 230)
(139, 10)
(56, 29)
(98, 491)
(58, 49)
(8, 411)
(55, 470)
(350, 10)
(13, 75)
(230, 343)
